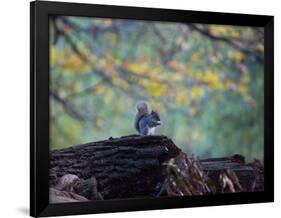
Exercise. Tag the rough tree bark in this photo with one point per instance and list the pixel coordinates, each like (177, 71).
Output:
(132, 166)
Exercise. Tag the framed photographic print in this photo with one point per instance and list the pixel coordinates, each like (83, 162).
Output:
(140, 108)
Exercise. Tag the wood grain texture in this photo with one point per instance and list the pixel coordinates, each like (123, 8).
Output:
(133, 166)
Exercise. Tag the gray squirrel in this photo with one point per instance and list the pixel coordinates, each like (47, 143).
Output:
(146, 119)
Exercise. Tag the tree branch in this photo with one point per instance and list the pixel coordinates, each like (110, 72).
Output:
(236, 45)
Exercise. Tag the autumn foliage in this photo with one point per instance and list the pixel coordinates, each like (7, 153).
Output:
(206, 81)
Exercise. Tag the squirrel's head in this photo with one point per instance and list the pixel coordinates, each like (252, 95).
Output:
(155, 118)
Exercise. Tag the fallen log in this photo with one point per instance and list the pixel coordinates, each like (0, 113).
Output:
(250, 175)
(135, 166)
(127, 166)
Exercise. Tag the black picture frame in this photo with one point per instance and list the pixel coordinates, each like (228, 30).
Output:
(39, 107)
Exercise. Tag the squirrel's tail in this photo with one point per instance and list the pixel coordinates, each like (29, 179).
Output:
(142, 109)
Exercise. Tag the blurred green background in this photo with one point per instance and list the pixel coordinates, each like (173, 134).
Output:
(206, 81)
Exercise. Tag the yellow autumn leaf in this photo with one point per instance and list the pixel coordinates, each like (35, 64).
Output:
(242, 89)
(195, 56)
(54, 55)
(136, 67)
(73, 63)
(217, 86)
(156, 89)
(197, 92)
(239, 56)
(182, 99)
(210, 77)
(245, 79)
(218, 30)
(188, 71)
(120, 82)
(236, 55)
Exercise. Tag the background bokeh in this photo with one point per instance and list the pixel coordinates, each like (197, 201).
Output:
(206, 81)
